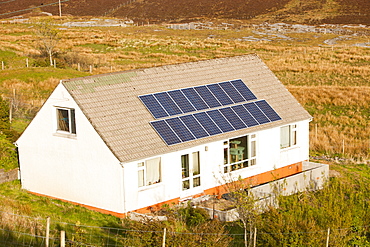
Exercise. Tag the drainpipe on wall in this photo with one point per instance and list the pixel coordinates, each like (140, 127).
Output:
(123, 187)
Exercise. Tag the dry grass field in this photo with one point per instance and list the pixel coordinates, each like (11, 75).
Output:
(331, 81)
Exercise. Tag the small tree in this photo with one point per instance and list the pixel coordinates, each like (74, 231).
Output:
(245, 204)
(48, 36)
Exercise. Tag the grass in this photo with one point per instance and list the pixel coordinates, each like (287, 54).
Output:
(331, 82)
(32, 75)
(25, 203)
(340, 118)
(319, 75)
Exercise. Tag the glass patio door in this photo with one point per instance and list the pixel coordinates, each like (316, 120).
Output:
(190, 169)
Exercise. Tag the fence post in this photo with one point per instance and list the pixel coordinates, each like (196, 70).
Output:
(62, 238)
(2, 65)
(26, 62)
(164, 238)
(343, 147)
(327, 238)
(47, 232)
(255, 237)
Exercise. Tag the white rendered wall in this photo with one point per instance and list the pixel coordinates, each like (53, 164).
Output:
(82, 169)
(77, 168)
(269, 157)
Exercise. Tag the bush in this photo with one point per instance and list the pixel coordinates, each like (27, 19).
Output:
(8, 154)
(193, 216)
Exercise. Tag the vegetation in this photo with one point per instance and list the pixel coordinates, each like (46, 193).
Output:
(303, 219)
(330, 81)
(157, 11)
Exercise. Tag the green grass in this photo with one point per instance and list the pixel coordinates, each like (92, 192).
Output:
(11, 59)
(11, 194)
(39, 74)
(20, 124)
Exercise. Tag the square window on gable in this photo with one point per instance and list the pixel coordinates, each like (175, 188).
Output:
(288, 136)
(66, 120)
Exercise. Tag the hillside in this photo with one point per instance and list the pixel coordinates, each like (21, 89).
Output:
(154, 11)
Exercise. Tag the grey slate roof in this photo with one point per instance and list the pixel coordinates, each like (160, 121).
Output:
(111, 103)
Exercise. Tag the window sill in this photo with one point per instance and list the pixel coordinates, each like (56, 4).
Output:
(65, 135)
(289, 148)
(149, 187)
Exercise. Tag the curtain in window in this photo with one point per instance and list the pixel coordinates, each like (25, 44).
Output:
(196, 163)
(284, 136)
(141, 178)
(153, 171)
(253, 149)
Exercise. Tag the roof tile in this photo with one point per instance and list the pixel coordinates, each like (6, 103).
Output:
(111, 103)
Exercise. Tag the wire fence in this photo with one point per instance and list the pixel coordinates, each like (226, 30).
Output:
(21, 230)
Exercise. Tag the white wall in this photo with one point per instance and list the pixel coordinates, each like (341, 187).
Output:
(269, 157)
(82, 169)
(76, 168)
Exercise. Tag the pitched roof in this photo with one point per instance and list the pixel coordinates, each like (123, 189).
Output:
(111, 103)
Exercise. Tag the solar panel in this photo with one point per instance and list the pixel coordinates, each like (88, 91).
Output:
(153, 106)
(194, 98)
(220, 121)
(167, 103)
(165, 132)
(212, 122)
(247, 118)
(267, 109)
(230, 90)
(220, 94)
(243, 90)
(207, 96)
(180, 129)
(235, 121)
(207, 123)
(181, 101)
(212, 113)
(256, 113)
(194, 126)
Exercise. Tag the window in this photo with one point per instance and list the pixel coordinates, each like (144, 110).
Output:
(288, 136)
(190, 166)
(149, 172)
(66, 120)
(240, 153)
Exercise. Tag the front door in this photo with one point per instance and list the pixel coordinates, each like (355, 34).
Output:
(190, 168)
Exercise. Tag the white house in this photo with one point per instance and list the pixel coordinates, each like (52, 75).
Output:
(135, 140)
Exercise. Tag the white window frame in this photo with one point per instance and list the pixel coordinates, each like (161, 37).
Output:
(191, 171)
(288, 136)
(146, 175)
(251, 159)
(71, 128)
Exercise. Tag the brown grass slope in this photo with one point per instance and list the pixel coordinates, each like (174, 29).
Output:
(293, 11)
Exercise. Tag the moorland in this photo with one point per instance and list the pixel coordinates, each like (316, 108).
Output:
(159, 11)
(325, 67)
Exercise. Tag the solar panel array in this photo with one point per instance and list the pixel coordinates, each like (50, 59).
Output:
(176, 102)
(216, 121)
(206, 111)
